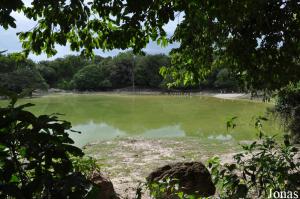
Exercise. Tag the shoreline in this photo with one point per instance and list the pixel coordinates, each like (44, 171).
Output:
(210, 93)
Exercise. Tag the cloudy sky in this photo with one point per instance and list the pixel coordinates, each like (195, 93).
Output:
(10, 42)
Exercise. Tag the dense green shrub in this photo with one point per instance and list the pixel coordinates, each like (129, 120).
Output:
(288, 107)
(86, 165)
(169, 188)
(265, 166)
(36, 156)
(92, 77)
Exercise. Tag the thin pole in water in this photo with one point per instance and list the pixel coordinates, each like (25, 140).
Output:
(133, 85)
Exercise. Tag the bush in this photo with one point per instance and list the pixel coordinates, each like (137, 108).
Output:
(288, 107)
(85, 165)
(265, 166)
(35, 156)
(168, 188)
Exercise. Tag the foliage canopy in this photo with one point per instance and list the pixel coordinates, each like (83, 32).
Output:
(258, 39)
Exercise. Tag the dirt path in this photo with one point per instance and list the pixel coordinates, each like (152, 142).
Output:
(128, 161)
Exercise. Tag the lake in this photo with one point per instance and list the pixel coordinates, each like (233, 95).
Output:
(107, 116)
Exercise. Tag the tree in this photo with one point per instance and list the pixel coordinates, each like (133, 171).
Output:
(259, 39)
(21, 79)
(66, 67)
(147, 70)
(226, 80)
(6, 64)
(88, 25)
(59, 72)
(6, 8)
(92, 77)
(18, 73)
(48, 74)
(121, 70)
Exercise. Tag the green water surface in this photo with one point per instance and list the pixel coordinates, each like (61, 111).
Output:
(106, 116)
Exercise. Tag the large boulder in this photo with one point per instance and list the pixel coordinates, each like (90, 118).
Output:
(105, 188)
(193, 178)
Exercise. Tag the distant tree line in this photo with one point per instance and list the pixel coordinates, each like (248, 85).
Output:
(18, 73)
(78, 73)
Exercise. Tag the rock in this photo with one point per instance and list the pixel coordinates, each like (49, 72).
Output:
(193, 178)
(105, 188)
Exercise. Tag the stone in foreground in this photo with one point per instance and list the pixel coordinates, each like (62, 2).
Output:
(104, 186)
(193, 178)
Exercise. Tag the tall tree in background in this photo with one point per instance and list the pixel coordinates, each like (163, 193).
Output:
(121, 70)
(147, 70)
(92, 77)
(18, 73)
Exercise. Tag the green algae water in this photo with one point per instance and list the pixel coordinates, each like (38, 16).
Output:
(107, 116)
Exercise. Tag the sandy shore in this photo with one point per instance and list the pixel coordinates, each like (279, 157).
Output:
(151, 92)
(231, 95)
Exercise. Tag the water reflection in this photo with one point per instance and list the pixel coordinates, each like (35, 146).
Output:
(92, 132)
(167, 131)
(221, 137)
